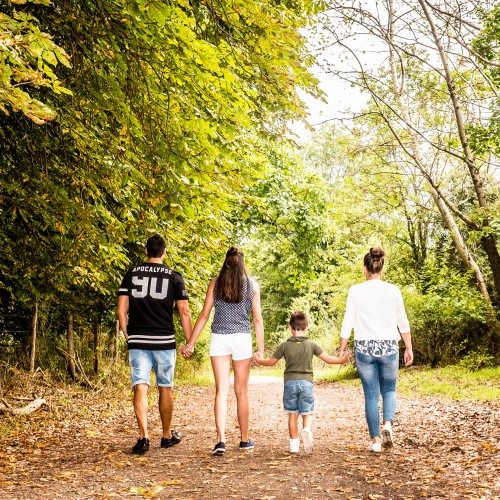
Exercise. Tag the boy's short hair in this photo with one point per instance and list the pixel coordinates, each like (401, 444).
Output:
(299, 321)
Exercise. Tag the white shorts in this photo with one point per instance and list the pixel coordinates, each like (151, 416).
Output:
(238, 345)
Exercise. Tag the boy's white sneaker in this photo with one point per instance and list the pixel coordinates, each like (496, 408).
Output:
(307, 439)
(387, 437)
(375, 447)
(294, 445)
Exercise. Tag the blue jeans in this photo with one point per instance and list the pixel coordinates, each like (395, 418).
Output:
(378, 375)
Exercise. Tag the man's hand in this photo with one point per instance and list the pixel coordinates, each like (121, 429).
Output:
(186, 351)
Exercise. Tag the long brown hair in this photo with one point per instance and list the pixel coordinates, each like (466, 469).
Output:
(229, 284)
(374, 260)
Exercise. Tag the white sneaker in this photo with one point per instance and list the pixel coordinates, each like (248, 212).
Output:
(307, 439)
(294, 445)
(387, 437)
(375, 447)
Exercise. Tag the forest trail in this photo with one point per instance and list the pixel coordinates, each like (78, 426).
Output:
(444, 449)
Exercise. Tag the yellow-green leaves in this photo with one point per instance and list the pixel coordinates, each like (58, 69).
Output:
(27, 58)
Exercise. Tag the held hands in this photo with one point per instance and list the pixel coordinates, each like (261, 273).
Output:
(258, 357)
(344, 357)
(187, 350)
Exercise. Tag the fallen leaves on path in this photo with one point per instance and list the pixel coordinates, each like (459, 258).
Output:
(81, 449)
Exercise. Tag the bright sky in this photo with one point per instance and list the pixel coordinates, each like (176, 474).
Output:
(342, 99)
(342, 102)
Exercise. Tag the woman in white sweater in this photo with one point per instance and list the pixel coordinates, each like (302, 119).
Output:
(376, 312)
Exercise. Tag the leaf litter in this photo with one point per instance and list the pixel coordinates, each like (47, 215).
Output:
(443, 449)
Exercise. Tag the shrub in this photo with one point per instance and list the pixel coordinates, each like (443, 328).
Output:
(476, 360)
(447, 319)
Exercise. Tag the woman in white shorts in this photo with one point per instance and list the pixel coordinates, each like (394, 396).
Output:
(235, 296)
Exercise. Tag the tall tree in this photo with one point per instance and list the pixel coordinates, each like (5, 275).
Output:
(161, 132)
(416, 95)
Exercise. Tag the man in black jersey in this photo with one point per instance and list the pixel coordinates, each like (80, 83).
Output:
(145, 311)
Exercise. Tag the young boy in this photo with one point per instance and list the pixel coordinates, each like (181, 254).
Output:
(298, 397)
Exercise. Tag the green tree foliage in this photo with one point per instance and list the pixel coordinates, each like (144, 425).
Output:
(286, 216)
(485, 139)
(431, 93)
(161, 132)
(447, 314)
(28, 58)
(312, 219)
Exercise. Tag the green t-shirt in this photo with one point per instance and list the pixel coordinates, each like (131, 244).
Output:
(298, 353)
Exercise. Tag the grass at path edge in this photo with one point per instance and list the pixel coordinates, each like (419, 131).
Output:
(454, 381)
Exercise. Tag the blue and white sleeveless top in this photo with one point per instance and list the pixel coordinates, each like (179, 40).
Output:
(234, 318)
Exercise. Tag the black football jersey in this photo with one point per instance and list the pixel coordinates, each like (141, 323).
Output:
(152, 290)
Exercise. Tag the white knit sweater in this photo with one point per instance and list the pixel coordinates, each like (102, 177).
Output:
(375, 310)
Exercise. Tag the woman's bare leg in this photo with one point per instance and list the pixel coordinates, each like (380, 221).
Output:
(241, 374)
(221, 366)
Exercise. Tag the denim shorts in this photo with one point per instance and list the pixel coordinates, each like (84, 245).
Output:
(161, 362)
(298, 397)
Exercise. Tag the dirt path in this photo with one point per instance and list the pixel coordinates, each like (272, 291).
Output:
(444, 449)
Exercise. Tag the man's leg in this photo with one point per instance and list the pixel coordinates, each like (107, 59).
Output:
(141, 409)
(164, 367)
(166, 407)
(140, 368)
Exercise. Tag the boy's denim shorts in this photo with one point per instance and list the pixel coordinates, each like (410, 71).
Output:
(298, 397)
(142, 361)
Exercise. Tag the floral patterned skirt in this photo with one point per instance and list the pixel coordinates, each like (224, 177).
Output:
(376, 348)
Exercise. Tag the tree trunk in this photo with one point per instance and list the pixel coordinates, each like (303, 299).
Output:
(413, 151)
(34, 323)
(116, 339)
(460, 245)
(490, 247)
(488, 242)
(96, 345)
(70, 360)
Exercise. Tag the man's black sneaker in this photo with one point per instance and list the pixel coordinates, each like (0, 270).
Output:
(141, 447)
(171, 441)
(219, 449)
(247, 445)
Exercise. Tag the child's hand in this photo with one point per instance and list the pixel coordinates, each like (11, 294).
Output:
(344, 357)
(257, 358)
